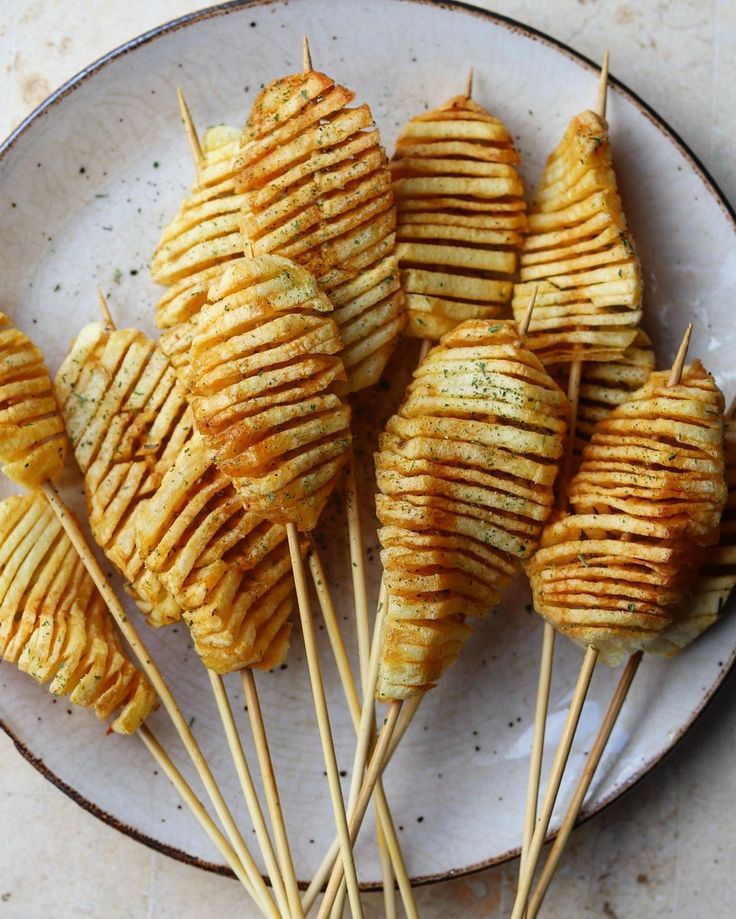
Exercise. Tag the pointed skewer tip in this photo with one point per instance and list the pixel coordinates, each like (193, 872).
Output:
(105, 308)
(603, 86)
(679, 361)
(195, 147)
(306, 54)
(526, 321)
(469, 85)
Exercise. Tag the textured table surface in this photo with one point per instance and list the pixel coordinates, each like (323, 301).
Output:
(667, 848)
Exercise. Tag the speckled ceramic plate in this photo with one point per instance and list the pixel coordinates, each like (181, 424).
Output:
(86, 185)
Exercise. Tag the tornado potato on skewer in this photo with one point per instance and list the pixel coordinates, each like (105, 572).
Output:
(645, 502)
(54, 624)
(318, 190)
(465, 472)
(461, 216)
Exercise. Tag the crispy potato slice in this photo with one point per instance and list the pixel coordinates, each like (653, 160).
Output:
(32, 439)
(465, 474)
(580, 255)
(264, 368)
(54, 624)
(195, 537)
(461, 216)
(317, 189)
(127, 419)
(645, 503)
(205, 232)
(705, 602)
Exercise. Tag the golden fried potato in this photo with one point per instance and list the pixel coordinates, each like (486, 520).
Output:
(215, 559)
(645, 503)
(606, 384)
(705, 601)
(579, 254)
(461, 216)
(465, 472)
(32, 440)
(54, 624)
(265, 365)
(205, 232)
(318, 190)
(127, 419)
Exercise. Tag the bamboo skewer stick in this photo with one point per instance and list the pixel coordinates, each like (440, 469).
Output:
(591, 764)
(609, 721)
(548, 632)
(195, 147)
(162, 758)
(273, 799)
(526, 878)
(323, 719)
(259, 891)
(351, 696)
(558, 769)
(357, 812)
(250, 794)
(306, 55)
(231, 734)
(469, 85)
(362, 628)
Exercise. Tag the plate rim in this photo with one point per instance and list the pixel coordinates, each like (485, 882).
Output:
(711, 186)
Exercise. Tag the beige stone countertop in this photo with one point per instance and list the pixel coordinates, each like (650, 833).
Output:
(669, 846)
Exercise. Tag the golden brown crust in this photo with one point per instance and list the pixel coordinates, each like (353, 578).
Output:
(646, 501)
(579, 254)
(32, 439)
(54, 624)
(465, 474)
(265, 366)
(318, 190)
(461, 216)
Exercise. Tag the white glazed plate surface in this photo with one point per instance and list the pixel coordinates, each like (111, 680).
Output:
(85, 190)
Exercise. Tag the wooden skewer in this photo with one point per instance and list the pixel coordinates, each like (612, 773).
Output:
(258, 889)
(306, 54)
(526, 321)
(162, 758)
(591, 764)
(323, 719)
(469, 85)
(195, 147)
(548, 632)
(249, 790)
(362, 627)
(357, 812)
(351, 695)
(273, 799)
(105, 309)
(231, 734)
(558, 769)
(609, 721)
(603, 86)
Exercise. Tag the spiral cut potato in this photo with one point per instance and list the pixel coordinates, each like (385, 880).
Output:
(204, 234)
(461, 216)
(646, 501)
(606, 384)
(54, 624)
(704, 604)
(265, 365)
(127, 419)
(318, 190)
(579, 254)
(229, 571)
(32, 440)
(465, 474)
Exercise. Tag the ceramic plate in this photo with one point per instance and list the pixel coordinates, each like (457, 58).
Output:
(85, 188)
